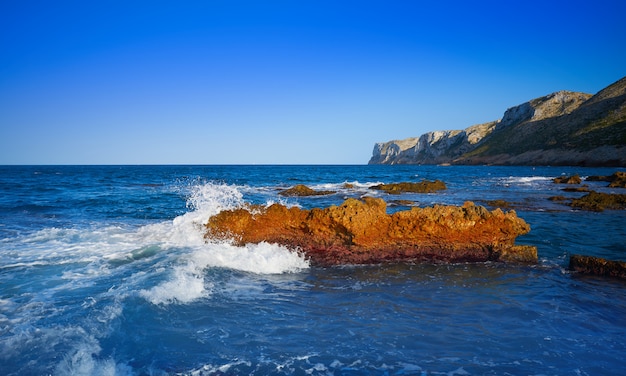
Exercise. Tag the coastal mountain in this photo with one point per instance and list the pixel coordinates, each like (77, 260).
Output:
(562, 128)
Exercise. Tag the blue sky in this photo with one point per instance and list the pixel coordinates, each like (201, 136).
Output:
(280, 82)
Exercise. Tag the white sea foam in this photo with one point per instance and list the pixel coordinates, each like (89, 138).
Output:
(262, 258)
(83, 360)
(186, 282)
(209, 369)
(526, 180)
(346, 186)
(185, 285)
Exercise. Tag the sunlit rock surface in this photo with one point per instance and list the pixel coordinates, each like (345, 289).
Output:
(361, 232)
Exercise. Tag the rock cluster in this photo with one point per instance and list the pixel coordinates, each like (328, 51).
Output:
(597, 201)
(361, 232)
(594, 201)
(617, 180)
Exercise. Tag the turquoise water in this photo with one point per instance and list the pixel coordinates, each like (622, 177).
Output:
(104, 271)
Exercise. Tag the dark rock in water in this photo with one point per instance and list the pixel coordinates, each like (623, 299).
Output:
(617, 180)
(574, 179)
(597, 266)
(557, 198)
(361, 232)
(499, 204)
(425, 186)
(598, 178)
(402, 203)
(584, 188)
(302, 190)
(596, 201)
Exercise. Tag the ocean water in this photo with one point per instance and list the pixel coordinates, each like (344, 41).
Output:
(104, 270)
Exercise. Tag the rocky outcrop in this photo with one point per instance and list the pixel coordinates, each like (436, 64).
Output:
(594, 201)
(563, 128)
(425, 186)
(574, 179)
(302, 190)
(597, 201)
(597, 266)
(361, 232)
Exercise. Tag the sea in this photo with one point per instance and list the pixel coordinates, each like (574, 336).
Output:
(105, 270)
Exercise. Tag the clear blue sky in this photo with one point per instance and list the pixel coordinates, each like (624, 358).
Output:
(298, 81)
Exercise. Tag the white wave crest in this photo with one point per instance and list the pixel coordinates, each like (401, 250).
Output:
(185, 285)
(187, 282)
(262, 258)
(526, 180)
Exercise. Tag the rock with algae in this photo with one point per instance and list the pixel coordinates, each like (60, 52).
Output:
(597, 201)
(617, 180)
(425, 186)
(361, 232)
(597, 266)
(574, 179)
(302, 190)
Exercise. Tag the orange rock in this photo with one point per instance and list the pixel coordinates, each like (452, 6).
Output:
(361, 232)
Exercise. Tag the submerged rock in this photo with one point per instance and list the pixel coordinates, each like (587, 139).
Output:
(425, 186)
(361, 232)
(583, 188)
(499, 204)
(574, 179)
(302, 190)
(596, 201)
(597, 266)
(557, 198)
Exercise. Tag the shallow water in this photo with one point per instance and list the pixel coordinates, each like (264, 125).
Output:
(104, 270)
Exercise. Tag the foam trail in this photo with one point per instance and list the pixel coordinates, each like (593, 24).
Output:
(527, 180)
(185, 285)
(262, 258)
(83, 360)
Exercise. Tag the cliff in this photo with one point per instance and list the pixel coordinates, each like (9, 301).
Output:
(562, 128)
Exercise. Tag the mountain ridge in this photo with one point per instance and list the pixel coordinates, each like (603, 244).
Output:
(561, 128)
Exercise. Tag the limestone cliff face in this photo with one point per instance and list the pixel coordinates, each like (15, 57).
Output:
(386, 152)
(555, 104)
(432, 147)
(562, 128)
